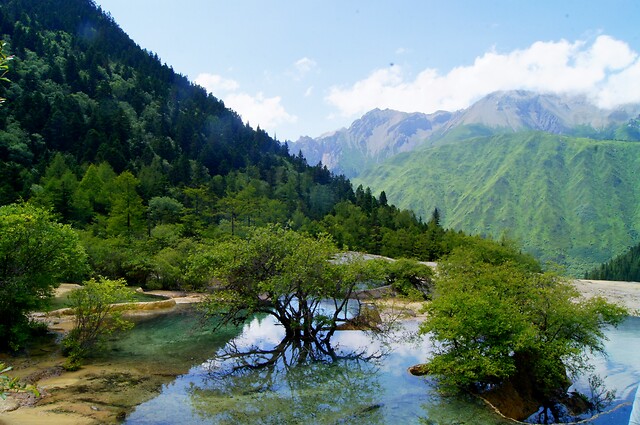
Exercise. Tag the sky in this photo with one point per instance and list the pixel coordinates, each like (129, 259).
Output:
(306, 67)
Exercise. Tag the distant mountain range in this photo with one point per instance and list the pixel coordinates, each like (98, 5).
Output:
(381, 134)
(555, 173)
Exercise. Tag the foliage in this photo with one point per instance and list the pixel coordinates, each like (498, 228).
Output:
(8, 384)
(36, 253)
(497, 320)
(94, 317)
(625, 267)
(566, 200)
(4, 66)
(410, 278)
(285, 274)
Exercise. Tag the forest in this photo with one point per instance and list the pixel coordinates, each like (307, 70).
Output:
(625, 267)
(140, 160)
(148, 169)
(116, 169)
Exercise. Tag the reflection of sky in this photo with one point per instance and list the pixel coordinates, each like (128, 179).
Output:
(400, 394)
(261, 332)
(620, 369)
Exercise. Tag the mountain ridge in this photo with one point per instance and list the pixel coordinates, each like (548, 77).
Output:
(379, 135)
(566, 200)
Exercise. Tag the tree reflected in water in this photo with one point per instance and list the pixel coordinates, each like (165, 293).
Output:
(292, 381)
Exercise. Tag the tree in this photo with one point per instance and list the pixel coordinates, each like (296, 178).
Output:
(127, 212)
(95, 317)
(4, 65)
(500, 322)
(285, 274)
(36, 253)
(409, 278)
(164, 210)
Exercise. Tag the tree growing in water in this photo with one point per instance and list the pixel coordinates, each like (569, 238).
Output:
(286, 274)
(503, 326)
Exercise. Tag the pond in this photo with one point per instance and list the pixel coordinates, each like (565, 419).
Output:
(369, 385)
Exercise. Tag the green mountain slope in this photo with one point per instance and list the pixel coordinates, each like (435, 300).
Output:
(148, 166)
(568, 200)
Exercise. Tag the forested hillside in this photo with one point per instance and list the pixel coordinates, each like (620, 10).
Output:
(148, 166)
(625, 267)
(572, 201)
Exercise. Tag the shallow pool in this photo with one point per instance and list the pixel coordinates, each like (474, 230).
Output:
(372, 387)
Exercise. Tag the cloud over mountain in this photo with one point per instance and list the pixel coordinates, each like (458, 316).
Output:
(606, 70)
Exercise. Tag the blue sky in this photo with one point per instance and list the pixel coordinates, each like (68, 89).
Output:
(297, 67)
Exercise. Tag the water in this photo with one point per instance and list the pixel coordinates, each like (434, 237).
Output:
(373, 387)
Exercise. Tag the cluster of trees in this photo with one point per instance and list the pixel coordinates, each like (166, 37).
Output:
(625, 267)
(501, 324)
(140, 227)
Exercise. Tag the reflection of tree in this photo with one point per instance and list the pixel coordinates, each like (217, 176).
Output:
(459, 409)
(292, 382)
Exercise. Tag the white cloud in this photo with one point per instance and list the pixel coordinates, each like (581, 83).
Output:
(305, 65)
(309, 91)
(302, 67)
(606, 70)
(258, 110)
(215, 84)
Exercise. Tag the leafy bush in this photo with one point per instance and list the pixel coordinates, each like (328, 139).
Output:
(95, 317)
(36, 253)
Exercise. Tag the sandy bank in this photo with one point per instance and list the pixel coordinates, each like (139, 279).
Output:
(626, 294)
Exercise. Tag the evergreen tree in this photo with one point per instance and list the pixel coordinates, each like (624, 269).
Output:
(126, 216)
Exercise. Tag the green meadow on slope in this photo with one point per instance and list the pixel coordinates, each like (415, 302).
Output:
(572, 201)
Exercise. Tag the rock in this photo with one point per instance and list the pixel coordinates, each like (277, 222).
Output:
(419, 370)
(9, 404)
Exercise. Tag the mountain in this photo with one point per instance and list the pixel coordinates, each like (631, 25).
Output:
(147, 166)
(82, 93)
(379, 135)
(371, 139)
(569, 200)
(554, 172)
(523, 110)
(82, 88)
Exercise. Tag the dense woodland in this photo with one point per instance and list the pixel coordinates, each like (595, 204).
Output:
(624, 267)
(148, 166)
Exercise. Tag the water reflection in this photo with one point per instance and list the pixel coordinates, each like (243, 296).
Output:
(361, 387)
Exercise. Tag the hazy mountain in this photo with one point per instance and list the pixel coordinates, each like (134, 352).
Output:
(371, 139)
(379, 135)
(524, 110)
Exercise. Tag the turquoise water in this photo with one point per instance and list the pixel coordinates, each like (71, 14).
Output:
(372, 387)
